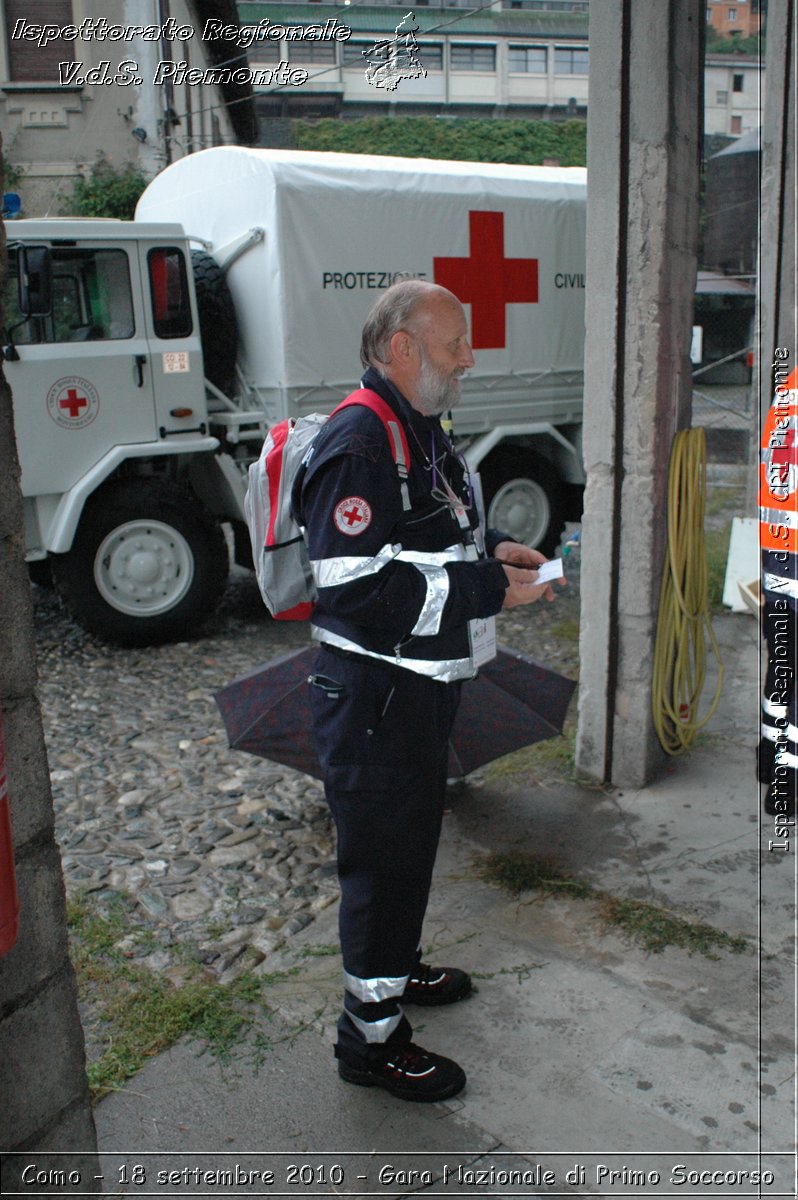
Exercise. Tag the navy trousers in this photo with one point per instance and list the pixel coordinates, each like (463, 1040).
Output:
(382, 735)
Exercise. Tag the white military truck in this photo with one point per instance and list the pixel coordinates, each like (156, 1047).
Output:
(148, 358)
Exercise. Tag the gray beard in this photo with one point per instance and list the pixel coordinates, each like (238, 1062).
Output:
(436, 394)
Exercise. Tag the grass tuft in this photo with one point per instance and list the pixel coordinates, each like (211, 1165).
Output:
(654, 928)
(525, 873)
(135, 1013)
(551, 759)
(642, 924)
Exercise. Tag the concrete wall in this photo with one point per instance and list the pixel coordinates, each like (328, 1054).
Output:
(642, 225)
(45, 1103)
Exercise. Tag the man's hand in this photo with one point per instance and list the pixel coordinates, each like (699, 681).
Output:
(519, 564)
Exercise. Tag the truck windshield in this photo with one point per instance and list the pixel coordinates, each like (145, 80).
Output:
(91, 299)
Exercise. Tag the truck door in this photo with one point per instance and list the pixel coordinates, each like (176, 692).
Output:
(173, 334)
(81, 384)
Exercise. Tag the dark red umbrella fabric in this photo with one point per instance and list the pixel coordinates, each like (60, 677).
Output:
(513, 702)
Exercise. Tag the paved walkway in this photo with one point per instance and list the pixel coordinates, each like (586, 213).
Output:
(594, 1067)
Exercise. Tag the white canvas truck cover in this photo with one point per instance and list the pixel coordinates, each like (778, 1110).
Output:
(508, 240)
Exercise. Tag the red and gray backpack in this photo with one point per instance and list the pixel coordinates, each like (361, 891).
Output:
(279, 550)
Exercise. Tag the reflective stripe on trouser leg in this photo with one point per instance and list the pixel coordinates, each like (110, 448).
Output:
(374, 1005)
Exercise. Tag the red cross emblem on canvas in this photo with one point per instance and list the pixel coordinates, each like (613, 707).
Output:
(352, 516)
(487, 280)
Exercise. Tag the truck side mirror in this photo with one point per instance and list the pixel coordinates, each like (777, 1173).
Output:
(35, 275)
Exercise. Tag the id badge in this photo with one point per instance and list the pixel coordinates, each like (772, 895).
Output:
(482, 631)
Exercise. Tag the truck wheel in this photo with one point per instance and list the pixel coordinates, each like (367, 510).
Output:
(217, 319)
(523, 497)
(148, 564)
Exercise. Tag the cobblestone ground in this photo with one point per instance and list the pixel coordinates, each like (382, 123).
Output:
(225, 854)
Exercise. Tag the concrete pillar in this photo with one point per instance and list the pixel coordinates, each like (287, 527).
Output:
(645, 106)
(45, 1101)
(776, 324)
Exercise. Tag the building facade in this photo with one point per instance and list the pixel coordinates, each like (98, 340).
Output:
(735, 18)
(67, 101)
(528, 60)
(733, 90)
(516, 58)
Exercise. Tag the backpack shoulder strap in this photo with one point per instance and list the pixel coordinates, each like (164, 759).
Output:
(393, 427)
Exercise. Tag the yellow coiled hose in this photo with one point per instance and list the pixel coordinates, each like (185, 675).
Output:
(684, 625)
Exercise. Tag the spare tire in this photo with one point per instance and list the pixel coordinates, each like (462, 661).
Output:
(217, 319)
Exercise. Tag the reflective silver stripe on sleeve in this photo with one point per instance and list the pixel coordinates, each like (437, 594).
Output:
(786, 760)
(779, 516)
(433, 558)
(770, 733)
(376, 1031)
(780, 585)
(446, 670)
(332, 572)
(431, 564)
(428, 623)
(381, 987)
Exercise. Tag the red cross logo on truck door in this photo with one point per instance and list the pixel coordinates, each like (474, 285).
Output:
(73, 402)
(487, 280)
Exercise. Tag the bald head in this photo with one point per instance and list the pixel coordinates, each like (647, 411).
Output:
(416, 335)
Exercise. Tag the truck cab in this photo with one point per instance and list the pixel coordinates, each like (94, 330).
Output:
(112, 425)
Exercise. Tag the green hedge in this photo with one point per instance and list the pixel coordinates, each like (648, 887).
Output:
(108, 191)
(509, 141)
(719, 44)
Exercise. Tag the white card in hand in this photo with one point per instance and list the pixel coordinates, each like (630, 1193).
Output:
(549, 570)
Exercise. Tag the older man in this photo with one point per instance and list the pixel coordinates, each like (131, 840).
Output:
(402, 576)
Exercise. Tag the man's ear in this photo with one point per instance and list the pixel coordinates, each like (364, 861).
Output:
(402, 347)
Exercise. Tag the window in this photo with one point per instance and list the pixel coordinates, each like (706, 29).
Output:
(731, 14)
(430, 55)
(311, 52)
(570, 62)
(721, 97)
(549, 5)
(264, 51)
(527, 60)
(736, 124)
(353, 52)
(171, 309)
(737, 83)
(27, 61)
(91, 299)
(473, 58)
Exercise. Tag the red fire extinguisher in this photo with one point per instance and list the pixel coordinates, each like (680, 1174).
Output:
(9, 900)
